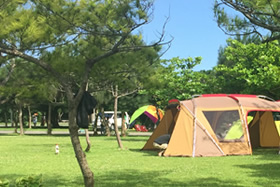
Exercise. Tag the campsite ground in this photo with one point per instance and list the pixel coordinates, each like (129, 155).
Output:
(35, 154)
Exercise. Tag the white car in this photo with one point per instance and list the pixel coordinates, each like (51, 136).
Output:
(110, 116)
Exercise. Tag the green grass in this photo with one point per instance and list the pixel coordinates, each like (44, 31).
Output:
(33, 129)
(33, 155)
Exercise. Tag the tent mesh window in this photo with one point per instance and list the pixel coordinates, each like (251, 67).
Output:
(226, 124)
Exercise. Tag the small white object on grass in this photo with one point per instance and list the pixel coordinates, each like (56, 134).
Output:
(56, 149)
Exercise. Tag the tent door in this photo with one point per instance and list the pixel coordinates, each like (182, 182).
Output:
(263, 131)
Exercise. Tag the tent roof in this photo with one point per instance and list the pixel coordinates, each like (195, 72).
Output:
(229, 101)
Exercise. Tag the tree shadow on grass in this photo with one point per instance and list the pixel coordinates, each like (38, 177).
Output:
(128, 139)
(52, 145)
(156, 178)
(269, 172)
(267, 153)
(135, 139)
(10, 134)
(58, 181)
(145, 153)
(11, 178)
(53, 180)
(131, 178)
(45, 135)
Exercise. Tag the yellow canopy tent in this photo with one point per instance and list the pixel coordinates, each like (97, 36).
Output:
(216, 125)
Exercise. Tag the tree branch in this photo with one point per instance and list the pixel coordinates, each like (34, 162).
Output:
(42, 64)
(9, 74)
(128, 93)
(256, 17)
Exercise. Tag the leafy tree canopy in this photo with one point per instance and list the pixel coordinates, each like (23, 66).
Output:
(245, 39)
(259, 17)
(256, 69)
(177, 80)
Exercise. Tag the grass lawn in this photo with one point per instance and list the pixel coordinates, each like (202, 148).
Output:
(32, 155)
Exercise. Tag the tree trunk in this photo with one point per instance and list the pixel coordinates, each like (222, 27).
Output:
(107, 128)
(49, 124)
(43, 119)
(80, 155)
(29, 117)
(59, 116)
(88, 141)
(105, 123)
(86, 130)
(12, 118)
(54, 117)
(123, 133)
(6, 120)
(95, 122)
(116, 122)
(16, 123)
(20, 119)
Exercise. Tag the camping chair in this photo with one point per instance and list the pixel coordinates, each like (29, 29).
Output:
(137, 127)
(143, 128)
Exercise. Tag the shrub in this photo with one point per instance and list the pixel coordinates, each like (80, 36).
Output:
(4, 183)
(30, 181)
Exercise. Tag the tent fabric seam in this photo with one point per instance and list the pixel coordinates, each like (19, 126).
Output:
(194, 129)
(246, 125)
(205, 130)
(243, 118)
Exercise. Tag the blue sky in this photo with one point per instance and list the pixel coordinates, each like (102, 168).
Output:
(193, 26)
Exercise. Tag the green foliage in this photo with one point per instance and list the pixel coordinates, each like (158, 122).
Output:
(259, 17)
(68, 35)
(255, 71)
(30, 181)
(4, 183)
(245, 39)
(130, 71)
(28, 84)
(176, 79)
(24, 27)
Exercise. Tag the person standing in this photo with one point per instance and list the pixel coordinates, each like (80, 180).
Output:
(35, 119)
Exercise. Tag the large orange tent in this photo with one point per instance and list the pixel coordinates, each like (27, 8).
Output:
(216, 125)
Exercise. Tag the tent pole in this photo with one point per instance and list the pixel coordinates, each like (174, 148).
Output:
(205, 130)
(246, 126)
(244, 121)
(194, 128)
